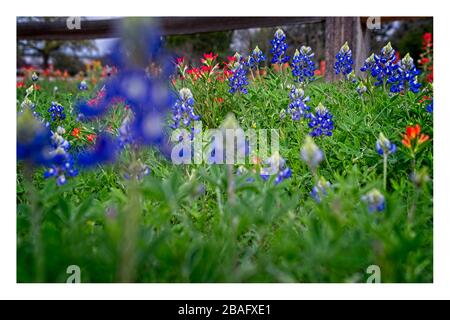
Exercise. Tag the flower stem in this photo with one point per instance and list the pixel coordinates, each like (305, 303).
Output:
(385, 171)
(230, 184)
(35, 220)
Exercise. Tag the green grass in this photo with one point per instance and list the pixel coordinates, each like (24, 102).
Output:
(272, 233)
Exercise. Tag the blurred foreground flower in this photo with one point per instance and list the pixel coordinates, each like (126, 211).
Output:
(375, 200)
(311, 154)
(321, 189)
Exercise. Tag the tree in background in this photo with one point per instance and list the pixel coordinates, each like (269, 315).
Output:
(194, 45)
(53, 49)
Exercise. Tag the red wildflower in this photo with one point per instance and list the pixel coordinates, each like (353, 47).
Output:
(208, 57)
(424, 60)
(76, 133)
(20, 84)
(206, 69)
(37, 87)
(91, 137)
(413, 138)
(180, 60)
(427, 39)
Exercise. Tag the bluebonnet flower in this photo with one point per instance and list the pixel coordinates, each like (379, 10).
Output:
(62, 165)
(405, 76)
(320, 189)
(238, 81)
(429, 108)
(275, 165)
(279, 47)
(34, 77)
(104, 151)
(302, 65)
(297, 108)
(375, 200)
(321, 122)
(125, 132)
(384, 146)
(361, 89)
(311, 153)
(183, 113)
(33, 139)
(256, 57)
(136, 171)
(56, 111)
(344, 61)
(381, 66)
(144, 90)
(82, 86)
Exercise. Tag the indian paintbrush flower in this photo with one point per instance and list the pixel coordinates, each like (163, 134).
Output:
(414, 139)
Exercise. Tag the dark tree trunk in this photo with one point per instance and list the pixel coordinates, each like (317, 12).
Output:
(341, 29)
(46, 60)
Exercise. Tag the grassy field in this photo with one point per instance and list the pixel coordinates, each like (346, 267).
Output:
(179, 225)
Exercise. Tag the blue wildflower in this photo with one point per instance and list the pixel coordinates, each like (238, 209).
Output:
(33, 139)
(384, 146)
(62, 165)
(279, 47)
(344, 61)
(256, 57)
(297, 108)
(82, 86)
(56, 112)
(275, 165)
(34, 77)
(136, 171)
(405, 76)
(375, 200)
(321, 122)
(238, 81)
(429, 108)
(104, 151)
(183, 113)
(302, 65)
(361, 89)
(320, 189)
(311, 153)
(382, 66)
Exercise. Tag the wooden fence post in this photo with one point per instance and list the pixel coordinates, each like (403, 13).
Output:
(337, 31)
